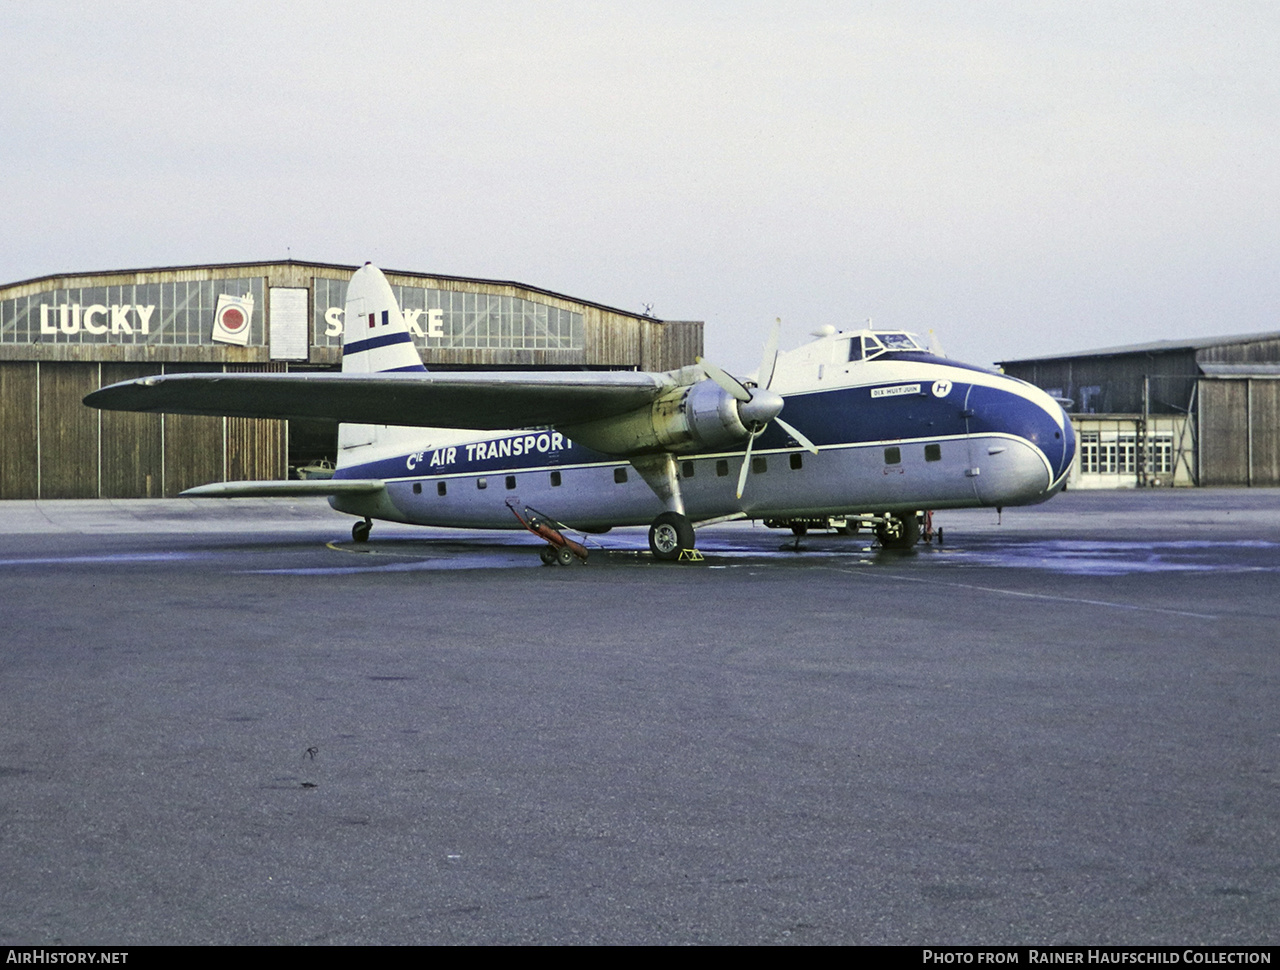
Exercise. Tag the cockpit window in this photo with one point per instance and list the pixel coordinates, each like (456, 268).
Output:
(888, 342)
(899, 341)
(855, 349)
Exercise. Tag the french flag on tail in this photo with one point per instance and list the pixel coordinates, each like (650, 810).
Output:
(374, 337)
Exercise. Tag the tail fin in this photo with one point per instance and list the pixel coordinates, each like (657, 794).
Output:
(375, 337)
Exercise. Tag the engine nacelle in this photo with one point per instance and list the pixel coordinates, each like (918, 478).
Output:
(683, 419)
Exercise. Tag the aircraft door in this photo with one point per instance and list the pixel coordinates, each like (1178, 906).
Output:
(973, 467)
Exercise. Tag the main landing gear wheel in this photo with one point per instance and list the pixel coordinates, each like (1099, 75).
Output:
(360, 531)
(900, 532)
(670, 534)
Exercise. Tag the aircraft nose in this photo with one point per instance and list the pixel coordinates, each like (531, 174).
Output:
(1013, 409)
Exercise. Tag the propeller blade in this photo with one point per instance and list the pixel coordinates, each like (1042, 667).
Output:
(746, 464)
(805, 443)
(732, 386)
(770, 359)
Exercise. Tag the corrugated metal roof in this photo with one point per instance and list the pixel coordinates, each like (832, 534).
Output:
(1259, 369)
(1155, 347)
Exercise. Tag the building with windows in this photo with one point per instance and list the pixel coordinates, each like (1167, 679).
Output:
(64, 336)
(1190, 412)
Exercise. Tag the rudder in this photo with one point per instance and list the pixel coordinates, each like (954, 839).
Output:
(374, 337)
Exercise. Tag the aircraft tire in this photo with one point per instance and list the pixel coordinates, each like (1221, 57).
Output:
(670, 533)
(564, 556)
(902, 532)
(360, 531)
(548, 555)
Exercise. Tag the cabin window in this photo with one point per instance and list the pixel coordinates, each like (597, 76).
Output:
(759, 465)
(893, 456)
(686, 469)
(797, 461)
(933, 452)
(555, 479)
(441, 488)
(722, 468)
(620, 475)
(482, 483)
(417, 488)
(511, 482)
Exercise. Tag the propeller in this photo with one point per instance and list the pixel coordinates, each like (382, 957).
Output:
(757, 405)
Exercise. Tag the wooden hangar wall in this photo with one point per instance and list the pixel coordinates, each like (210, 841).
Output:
(64, 336)
(1195, 412)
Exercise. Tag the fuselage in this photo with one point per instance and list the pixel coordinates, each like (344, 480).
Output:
(898, 429)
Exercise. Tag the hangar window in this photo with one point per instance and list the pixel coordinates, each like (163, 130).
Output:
(450, 318)
(797, 461)
(441, 488)
(722, 468)
(1127, 453)
(933, 452)
(134, 314)
(417, 488)
(893, 456)
(686, 469)
(555, 479)
(620, 475)
(1113, 452)
(759, 465)
(511, 482)
(1161, 460)
(1089, 453)
(482, 483)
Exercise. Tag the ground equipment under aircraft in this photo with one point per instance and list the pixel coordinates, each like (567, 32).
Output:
(559, 548)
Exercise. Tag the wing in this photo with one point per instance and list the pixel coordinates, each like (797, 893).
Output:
(485, 402)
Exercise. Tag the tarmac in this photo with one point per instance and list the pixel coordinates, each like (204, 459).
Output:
(225, 722)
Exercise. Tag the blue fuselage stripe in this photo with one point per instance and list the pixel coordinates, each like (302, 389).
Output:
(845, 417)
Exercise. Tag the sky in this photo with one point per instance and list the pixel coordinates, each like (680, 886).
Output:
(1020, 178)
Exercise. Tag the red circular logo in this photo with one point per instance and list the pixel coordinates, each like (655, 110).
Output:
(233, 319)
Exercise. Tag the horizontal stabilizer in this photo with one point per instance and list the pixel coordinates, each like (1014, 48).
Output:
(277, 489)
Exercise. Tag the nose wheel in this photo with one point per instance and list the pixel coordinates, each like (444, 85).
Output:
(360, 531)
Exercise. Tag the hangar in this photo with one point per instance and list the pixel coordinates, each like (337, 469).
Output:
(66, 335)
(1173, 412)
